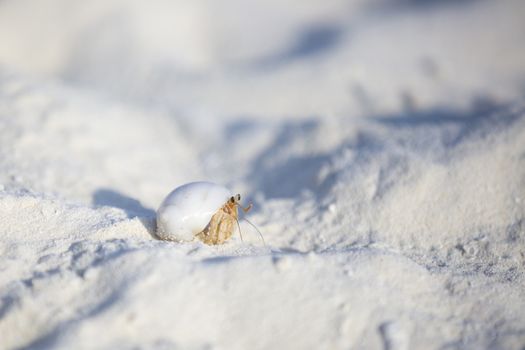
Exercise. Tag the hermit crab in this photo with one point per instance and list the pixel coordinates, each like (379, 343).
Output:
(202, 210)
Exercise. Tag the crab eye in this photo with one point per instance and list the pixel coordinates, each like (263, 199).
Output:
(238, 197)
(232, 199)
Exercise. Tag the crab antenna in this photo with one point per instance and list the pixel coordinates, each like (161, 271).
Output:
(256, 229)
(251, 224)
(239, 226)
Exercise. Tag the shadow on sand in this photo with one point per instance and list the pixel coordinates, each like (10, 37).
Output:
(132, 207)
(439, 129)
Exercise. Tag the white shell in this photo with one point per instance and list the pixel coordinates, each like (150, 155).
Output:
(188, 209)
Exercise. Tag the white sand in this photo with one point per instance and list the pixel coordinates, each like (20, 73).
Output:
(382, 144)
